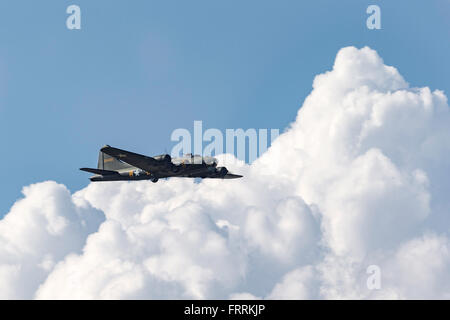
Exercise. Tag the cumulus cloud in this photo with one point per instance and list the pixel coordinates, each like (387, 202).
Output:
(299, 284)
(358, 179)
(38, 232)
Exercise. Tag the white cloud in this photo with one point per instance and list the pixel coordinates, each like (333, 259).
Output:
(420, 268)
(300, 284)
(360, 178)
(39, 231)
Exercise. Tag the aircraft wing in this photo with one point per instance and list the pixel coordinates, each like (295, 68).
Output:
(227, 176)
(145, 163)
(232, 176)
(210, 175)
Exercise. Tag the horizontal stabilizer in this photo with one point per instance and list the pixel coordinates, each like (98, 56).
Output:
(99, 171)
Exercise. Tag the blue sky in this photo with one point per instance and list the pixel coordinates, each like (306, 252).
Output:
(137, 71)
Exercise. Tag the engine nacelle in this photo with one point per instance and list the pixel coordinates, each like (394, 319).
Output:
(222, 171)
(163, 158)
(174, 168)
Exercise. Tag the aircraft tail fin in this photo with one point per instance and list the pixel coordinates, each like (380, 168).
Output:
(106, 162)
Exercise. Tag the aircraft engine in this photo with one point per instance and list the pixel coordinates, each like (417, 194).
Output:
(163, 158)
(222, 171)
(174, 168)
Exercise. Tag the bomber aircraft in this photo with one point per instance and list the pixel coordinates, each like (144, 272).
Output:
(121, 165)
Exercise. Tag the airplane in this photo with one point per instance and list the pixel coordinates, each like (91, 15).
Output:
(121, 165)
